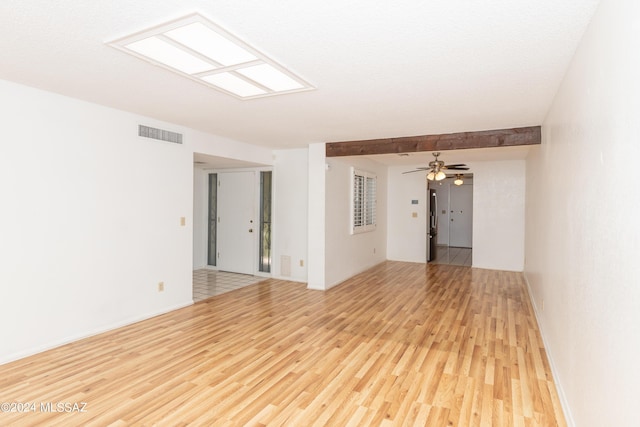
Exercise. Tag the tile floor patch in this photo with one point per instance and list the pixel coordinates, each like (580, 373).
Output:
(208, 283)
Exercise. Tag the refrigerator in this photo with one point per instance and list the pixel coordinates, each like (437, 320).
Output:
(432, 225)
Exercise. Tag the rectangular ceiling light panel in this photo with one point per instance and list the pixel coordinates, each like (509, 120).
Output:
(267, 75)
(211, 44)
(170, 55)
(233, 84)
(197, 48)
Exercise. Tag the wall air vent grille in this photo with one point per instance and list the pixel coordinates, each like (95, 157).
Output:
(162, 135)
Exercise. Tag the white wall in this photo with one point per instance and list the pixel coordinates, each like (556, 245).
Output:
(583, 233)
(349, 254)
(442, 194)
(498, 215)
(290, 212)
(217, 146)
(316, 216)
(90, 218)
(406, 235)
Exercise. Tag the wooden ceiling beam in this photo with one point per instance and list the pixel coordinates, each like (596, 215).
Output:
(452, 141)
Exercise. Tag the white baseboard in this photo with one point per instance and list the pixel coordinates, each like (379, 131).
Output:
(287, 278)
(561, 395)
(315, 288)
(362, 270)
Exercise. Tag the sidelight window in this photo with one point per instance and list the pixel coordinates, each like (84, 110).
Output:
(265, 222)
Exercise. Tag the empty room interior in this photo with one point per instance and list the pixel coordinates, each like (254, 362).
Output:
(320, 213)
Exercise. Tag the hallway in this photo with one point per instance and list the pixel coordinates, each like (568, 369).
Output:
(451, 255)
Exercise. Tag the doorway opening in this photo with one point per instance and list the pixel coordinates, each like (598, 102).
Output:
(231, 224)
(234, 226)
(454, 219)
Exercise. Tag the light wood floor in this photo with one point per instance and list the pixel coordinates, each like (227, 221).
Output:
(401, 344)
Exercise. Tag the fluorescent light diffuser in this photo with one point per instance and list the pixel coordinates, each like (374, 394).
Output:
(270, 77)
(170, 55)
(233, 84)
(211, 44)
(196, 48)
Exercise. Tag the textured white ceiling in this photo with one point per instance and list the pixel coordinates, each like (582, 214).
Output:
(382, 69)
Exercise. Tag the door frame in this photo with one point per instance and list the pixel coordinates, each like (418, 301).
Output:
(450, 212)
(256, 208)
(236, 216)
(440, 187)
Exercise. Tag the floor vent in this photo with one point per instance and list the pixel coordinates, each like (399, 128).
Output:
(162, 135)
(285, 265)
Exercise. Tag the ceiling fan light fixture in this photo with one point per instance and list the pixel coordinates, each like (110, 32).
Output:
(436, 169)
(458, 180)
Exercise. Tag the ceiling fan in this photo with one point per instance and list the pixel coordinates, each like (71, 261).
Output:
(437, 168)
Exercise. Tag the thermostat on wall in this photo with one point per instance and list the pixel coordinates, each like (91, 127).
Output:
(414, 202)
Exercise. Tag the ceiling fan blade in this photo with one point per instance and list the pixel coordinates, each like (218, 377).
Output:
(456, 168)
(455, 165)
(417, 170)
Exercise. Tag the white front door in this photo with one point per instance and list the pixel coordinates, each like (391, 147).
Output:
(461, 207)
(236, 222)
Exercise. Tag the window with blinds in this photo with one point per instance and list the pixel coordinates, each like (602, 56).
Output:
(363, 201)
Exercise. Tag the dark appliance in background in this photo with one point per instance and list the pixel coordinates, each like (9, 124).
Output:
(432, 226)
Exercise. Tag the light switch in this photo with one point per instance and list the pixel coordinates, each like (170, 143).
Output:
(414, 214)
(183, 221)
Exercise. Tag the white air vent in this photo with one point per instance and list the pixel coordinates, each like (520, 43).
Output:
(285, 266)
(162, 135)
